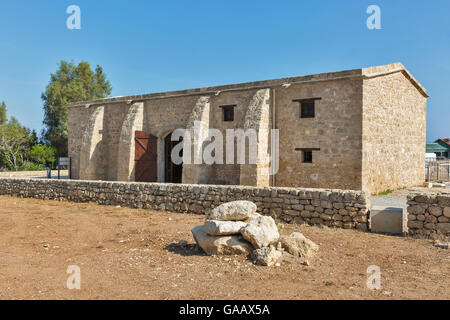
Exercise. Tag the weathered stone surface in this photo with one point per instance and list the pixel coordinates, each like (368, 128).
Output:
(233, 211)
(421, 217)
(425, 198)
(443, 200)
(436, 217)
(443, 228)
(199, 199)
(223, 228)
(416, 209)
(298, 245)
(258, 118)
(261, 232)
(383, 168)
(447, 212)
(267, 256)
(353, 133)
(387, 220)
(198, 126)
(415, 224)
(223, 245)
(435, 211)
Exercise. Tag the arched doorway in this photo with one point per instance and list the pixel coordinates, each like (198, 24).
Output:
(173, 173)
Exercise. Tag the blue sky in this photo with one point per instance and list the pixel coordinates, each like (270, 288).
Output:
(150, 46)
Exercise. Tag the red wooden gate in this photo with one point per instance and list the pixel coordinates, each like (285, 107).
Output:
(145, 157)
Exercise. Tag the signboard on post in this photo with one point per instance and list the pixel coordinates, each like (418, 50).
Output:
(64, 162)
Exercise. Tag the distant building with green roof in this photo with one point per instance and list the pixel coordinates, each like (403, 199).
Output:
(440, 147)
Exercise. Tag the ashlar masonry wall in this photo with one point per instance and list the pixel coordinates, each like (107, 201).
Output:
(335, 208)
(356, 135)
(394, 131)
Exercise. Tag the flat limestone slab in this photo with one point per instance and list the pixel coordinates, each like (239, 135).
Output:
(387, 220)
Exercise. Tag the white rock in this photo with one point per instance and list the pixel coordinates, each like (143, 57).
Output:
(298, 245)
(261, 232)
(444, 245)
(224, 245)
(233, 211)
(267, 256)
(223, 228)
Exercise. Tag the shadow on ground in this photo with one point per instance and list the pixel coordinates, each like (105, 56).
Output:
(184, 249)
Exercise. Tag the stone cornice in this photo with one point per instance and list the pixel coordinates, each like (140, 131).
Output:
(355, 74)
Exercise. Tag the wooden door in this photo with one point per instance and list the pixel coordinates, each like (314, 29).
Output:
(145, 157)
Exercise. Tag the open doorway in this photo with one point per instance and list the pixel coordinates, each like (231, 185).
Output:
(173, 172)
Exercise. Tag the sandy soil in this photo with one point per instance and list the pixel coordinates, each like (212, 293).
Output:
(135, 254)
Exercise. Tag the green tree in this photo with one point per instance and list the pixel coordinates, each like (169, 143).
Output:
(71, 83)
(14, 142)
(43, 155)
(3, 118)
(33, 138)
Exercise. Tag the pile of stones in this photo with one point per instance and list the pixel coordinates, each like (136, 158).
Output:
(235, 228)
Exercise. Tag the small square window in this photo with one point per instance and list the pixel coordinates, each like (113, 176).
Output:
(228, 113)
(307, 156)
(307, 109)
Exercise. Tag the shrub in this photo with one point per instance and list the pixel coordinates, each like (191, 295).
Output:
(31, 166)
(43, 155)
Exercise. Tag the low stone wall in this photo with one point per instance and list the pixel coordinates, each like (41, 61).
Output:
(429, 214)
(43, 173)
(338, 208)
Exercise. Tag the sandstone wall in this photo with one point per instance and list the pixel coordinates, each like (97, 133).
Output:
(197, 126)
(338, 208)
(93, 154)
(257, 118)
(336, 129)
(134, 121)
(77, 121)
(229, 174)
(369, 125)
(109, 135)
(394, 133)
(429, 214)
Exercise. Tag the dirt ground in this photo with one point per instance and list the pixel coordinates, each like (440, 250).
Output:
(135, 254)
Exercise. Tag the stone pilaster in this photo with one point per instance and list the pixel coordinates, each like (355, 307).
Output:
(92, 153)
(197, 126)
(133, 122)
(258, 119)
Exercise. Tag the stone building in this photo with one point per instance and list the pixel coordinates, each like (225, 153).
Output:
(340, 130)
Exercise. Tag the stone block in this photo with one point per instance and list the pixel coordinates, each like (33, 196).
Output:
(387, 220)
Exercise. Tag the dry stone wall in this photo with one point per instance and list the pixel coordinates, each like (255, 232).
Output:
(29, 174)
(429, 214)
(334, 208)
